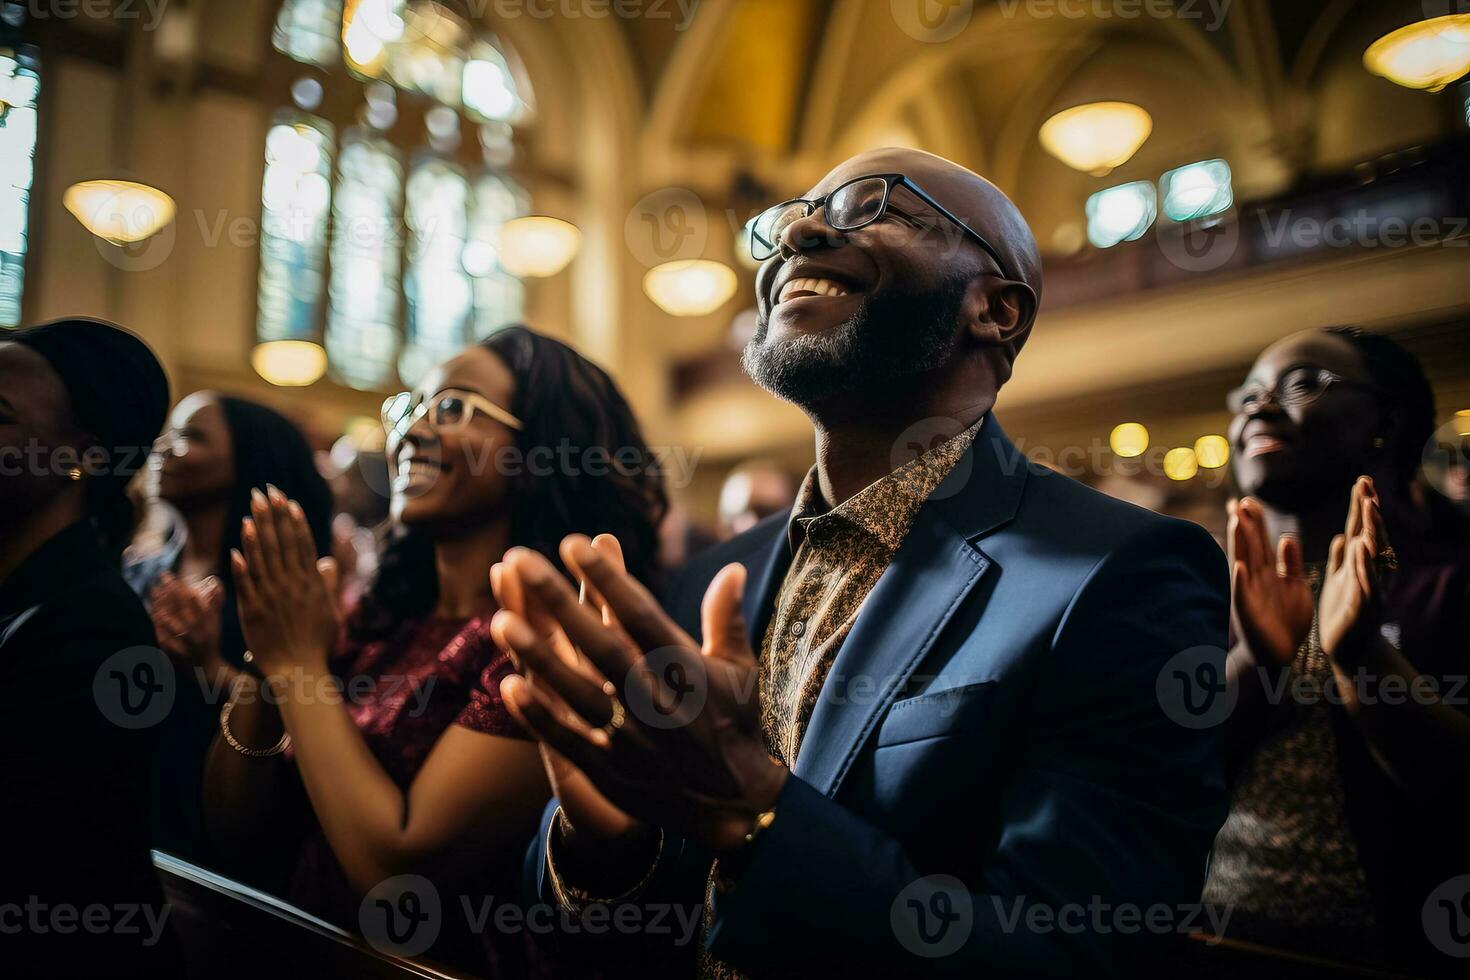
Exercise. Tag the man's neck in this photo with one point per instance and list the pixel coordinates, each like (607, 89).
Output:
(462, 563)
(854, 452)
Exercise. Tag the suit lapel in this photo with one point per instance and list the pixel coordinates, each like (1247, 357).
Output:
(934, 570)
(765, 569)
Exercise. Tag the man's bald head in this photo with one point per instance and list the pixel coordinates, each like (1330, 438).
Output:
(898, 298)
(968, 196)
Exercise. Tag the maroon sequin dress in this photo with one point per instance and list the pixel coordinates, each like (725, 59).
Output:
(404, 691)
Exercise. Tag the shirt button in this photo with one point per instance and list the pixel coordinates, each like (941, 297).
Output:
(798, 628)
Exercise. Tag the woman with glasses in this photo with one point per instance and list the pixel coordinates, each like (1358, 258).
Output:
(214, 450)
(417, 769)
(1348, 709)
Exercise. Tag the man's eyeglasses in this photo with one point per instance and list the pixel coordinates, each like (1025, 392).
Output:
(856, 204)
(1296, 388)
(450, 410)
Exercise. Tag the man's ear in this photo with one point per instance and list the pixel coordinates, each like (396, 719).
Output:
(998, 312)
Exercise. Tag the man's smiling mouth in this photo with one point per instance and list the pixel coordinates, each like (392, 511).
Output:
(801, 288)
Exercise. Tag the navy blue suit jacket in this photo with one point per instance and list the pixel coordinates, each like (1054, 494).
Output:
(994, 781)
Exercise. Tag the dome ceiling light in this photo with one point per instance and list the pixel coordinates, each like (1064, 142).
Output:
(1097, 137)
(1427, 55)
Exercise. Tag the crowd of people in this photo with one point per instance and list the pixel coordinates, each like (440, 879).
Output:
(919, 713)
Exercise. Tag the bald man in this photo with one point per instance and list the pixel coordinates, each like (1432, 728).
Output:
(951, 713)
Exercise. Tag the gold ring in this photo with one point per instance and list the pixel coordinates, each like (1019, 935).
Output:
(619, 716)
(1387, 560)
(248, 657)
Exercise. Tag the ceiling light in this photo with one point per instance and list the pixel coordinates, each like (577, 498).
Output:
(1212, 452)
(1129, 440)
(289, 363)
(537, 246)
(1180, 464)
(1197, 190)
(1097, 137)
(1428, 54)
(1121, 214)
(690, 287)
(122, 212)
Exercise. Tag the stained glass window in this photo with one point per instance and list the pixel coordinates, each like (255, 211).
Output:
(409, 273)
(19, 85)
(499, 297)
(295, 197)
(437, 289)
(362, 314)
(309, 31)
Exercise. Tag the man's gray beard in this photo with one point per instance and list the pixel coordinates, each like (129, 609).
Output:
(888, 341)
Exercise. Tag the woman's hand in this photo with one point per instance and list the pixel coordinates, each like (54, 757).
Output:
(585, 809)
(1271, 599)
(186, 619)
(1349, 614)
(286, 597)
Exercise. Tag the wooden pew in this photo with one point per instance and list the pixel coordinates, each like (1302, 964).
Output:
(229, 931)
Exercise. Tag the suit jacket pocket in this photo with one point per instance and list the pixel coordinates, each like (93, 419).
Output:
(954, 709)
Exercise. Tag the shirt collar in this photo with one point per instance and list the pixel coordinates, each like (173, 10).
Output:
(884, 509)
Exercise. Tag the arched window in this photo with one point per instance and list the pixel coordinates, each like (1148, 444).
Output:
(391, 170)
(20, 83)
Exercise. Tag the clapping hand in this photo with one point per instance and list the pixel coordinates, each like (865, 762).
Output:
(665, 729)
(1352, 589)
(586, 810)
(286, 597)
(186, 619)
(1271, 599)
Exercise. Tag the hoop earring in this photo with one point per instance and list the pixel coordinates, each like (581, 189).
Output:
(1378, 442)
(75, 473)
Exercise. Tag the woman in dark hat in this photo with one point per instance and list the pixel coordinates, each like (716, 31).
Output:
(80, 684)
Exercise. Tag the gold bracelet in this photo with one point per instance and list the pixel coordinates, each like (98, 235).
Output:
(572, 899)
(281, 745)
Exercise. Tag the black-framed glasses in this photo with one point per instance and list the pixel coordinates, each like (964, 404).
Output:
(1296, 388)
(449, 410)
(856, 204)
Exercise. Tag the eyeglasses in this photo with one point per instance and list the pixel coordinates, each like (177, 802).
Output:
(1295, 388)
(450, 410)
(856, 204)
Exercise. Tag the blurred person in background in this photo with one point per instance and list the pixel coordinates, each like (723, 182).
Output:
(1351, 584)
(753, 491)
(216, 447)
(357, 472)
(425, 773)
(90, 398)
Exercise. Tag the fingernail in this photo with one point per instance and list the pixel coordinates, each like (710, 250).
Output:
(275, 494)
(295, 509)
(256, 497)
(249, 530)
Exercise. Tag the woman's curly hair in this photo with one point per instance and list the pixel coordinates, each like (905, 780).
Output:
(563, 399)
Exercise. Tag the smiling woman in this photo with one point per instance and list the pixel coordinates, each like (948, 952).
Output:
(396, 777)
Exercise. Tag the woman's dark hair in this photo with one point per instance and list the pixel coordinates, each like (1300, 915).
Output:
(1404, 397)
(267, 449)
(563, 399)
